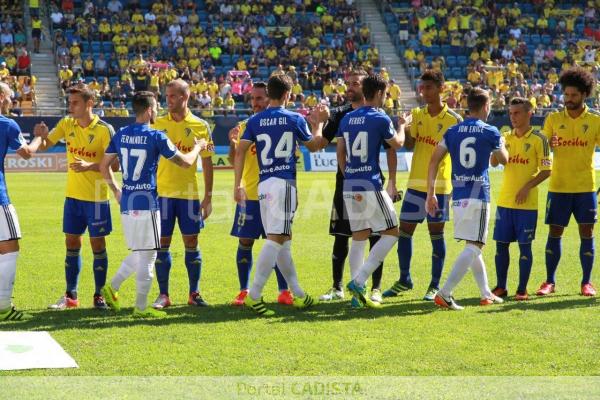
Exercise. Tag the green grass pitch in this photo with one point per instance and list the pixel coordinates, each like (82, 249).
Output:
(557, 335)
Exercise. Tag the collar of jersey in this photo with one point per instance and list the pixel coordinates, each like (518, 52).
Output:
(526, 135)
(585, 111)
(92, 124)
(187, 117)
(442, 112)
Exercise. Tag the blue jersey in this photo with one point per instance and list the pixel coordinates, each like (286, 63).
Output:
(364, 131)
(139, 148)
(276, 132)
(10, 137)
(470, 144)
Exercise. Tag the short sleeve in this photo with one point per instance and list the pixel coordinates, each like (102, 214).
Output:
(495, 138)
(205, 133)
(544, 159)
(15, 137)
(302, 132)
(341, 127)
(166, 148)
(111, 134)
(248, 133)
(548, 128)
(331, 129)
(112, 147)
(59, 131)
(387, 130)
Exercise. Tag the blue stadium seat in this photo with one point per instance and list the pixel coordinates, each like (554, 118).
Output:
(546, 39)
(462, 61)
(536, 39)
(451, 61)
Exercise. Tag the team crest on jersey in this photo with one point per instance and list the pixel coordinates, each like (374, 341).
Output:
(188, 132)
(527, 146)
(440, 126)
(585, 128)
(90, 139)
(72, 134)
(562, 127)
(420, 123)
(358, 197)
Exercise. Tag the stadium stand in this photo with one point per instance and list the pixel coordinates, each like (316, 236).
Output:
(219, 47)
(513, 49)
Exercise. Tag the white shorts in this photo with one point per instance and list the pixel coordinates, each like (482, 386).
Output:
(141, 229)
(471, 220)
(9, 224)
(370, 210)
(278, 201)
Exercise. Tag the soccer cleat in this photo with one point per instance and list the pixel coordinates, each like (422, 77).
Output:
(521, 296)
(431, 292)
(588, 290)
(12, 314)
(285, 297)
(500, 292)
(239, 299)
(149, 312)
(355, 303)
(258, 306)
(111, 297)
(545, 289)
(493, 299)
(397, 288)
(332, 294)
(376, 296)
(100, 303)
(64, 303)
(361, 294)
(305, 302)
(448, 303)
(196, 300)
(162, 301)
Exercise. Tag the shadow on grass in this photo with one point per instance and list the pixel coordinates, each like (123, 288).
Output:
(553, 303)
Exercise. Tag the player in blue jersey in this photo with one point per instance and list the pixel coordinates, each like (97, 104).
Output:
(470, 145)
(139, 148)
(370, 209)
(276, 131)
(10, 232)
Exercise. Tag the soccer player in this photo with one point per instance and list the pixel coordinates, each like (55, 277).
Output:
(139, 148)
(86, 203)
(178, 192)
(370, 208)
(247, 225)
(275, 131)
(10, 232)
(529, 165)
(470, 144)
(573, 134)
(429, 123)
(339, 225)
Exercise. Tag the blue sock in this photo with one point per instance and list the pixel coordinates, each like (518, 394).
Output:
(553, 252)
(163, 268)
(281, 282)
(100, 270)
(193, 263)
(438, 255)
(404, 256)
(502, 262)
(72, 269)
(525, 263)
(244, 265)
(586, 256)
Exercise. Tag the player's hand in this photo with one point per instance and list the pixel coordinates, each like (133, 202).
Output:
(522, 195)
(233, 134)
(392, 191)
(40, 130)
(206, 207)
(239, 195)
(80, 165)
(405, 119)
(203, 143)
(431, 204)
(554, 141)
(322, 112)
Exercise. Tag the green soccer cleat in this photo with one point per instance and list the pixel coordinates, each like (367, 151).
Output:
(111, 297)
(149, 312)
(361, 295)
(397, 288)
(305, 302)
(258, 306)
(12, 314)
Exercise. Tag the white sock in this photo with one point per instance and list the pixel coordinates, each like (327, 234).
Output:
(264, 267)
(460, 268)
(144, 275)
(8, 271)
(356, 256)
(376, 257)
(125, 270)
(481, 276)
(288, 269)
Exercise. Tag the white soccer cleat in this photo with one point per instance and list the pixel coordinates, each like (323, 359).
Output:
(332, 294)
(493, 299)
(161, 302)
(376, 296)
(63, 303)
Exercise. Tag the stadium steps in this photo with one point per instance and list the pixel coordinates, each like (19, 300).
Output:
(371, 14)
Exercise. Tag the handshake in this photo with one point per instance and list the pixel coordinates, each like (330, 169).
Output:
(41, 130)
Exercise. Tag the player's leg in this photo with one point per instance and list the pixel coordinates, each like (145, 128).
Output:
(143, 280)
(559, 207)
(376, 294)
(285, 296)
(189, 217)
(435, 226)
(525, 222)
(585, 215)
(99, 226)
(10, 233)
(504, 234)
(163, 257)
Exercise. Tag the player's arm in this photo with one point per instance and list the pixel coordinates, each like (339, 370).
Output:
(239, 194)
(317, 120)
(341, 153)
(434, 164)
(397, 140)
(40, 142)
(392, 163)
(208, 174)
(233, 140)
(545, 169)
(105, 169)
(500, 154)
(406, 120)
(188, 159)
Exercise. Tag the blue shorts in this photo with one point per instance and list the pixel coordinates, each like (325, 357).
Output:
(79, 215)
(247, 223)
(514, 225)
(413, 208)
(560, 206)
(186, 212)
